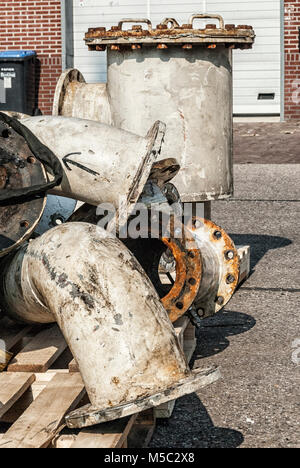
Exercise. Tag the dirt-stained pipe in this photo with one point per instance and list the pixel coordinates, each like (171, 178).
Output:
(110, 315)
(101, 163)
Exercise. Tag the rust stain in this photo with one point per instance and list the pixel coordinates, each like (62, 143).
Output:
(188, 263)
(243, 35)
(188, 279)
(115, 380)
(3, 177)
(184, 124)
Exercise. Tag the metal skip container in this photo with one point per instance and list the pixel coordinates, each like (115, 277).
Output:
(178, 74)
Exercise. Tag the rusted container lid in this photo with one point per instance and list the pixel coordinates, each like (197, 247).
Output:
(170, 32)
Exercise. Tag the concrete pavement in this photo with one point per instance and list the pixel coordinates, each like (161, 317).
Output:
(254, 340)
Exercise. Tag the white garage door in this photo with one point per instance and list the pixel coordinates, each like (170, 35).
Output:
(256, 72)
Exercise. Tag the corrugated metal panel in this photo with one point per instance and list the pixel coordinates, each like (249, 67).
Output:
(255, 71)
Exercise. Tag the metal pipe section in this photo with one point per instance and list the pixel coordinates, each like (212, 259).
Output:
(179, 74)
(75, 98)
(197, 109)
(101, 163)
(19, 169)
(192, 92)
(220, 264)
(110, 315)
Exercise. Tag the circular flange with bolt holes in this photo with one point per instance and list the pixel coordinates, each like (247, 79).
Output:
(155, 239)
(18, 169)
(220, 266)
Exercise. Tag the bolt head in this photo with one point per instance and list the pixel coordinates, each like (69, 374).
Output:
(220, 300)
(230, 279)
(229, 255)
(217, 235)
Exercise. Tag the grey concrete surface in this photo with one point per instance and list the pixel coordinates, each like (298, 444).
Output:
(267, 181)
(256, 404)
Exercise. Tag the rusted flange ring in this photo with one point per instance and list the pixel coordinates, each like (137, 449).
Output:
(148, 250)
(19, 169)
(188, 279)
(220, 256)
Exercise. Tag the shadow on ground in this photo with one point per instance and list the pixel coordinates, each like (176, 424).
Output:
(196, 428)
(212, 336)
(260, 245)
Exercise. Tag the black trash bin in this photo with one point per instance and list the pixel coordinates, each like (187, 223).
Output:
(17, 81)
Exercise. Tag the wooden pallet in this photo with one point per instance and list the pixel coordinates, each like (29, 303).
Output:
(37, 390)
(40, 384)
(245, 267)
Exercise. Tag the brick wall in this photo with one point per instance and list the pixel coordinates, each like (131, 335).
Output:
(35, 25)
(292, 59)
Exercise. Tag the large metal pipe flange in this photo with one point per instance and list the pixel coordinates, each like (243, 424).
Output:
(19, 168)
(188, 278)
(154, 241)
(67, 78)
(76, 98)
(220, 266)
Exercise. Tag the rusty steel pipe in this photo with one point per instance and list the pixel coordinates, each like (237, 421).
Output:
(110, 315)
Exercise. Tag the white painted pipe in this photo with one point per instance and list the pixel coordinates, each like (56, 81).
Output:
(111, 317)
(101, 163)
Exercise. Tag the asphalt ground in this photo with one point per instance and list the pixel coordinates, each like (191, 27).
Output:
(256, 339)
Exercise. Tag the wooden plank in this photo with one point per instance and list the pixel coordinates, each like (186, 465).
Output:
(39, 424)
(189, 341)
(244, 253)
(112, 434)
(73, 366)
(12, 386)
(11, 332)
(185, 332)
(32, 393)
(142, 432)
(40, 353)
(19, 407)
(165, 410)
(5, 358)
(64, 441)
